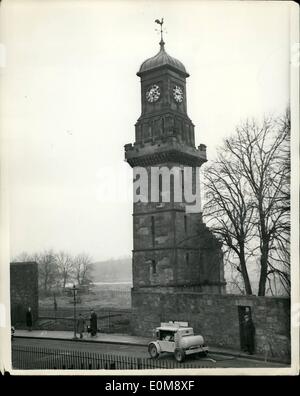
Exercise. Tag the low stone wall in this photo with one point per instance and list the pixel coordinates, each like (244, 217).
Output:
(216, 317)
(23, 291)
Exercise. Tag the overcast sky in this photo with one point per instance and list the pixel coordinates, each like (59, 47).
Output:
(70, 99)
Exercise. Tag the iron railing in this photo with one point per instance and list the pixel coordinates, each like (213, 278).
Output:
(109, 320)
(49, 312)
(39, 358)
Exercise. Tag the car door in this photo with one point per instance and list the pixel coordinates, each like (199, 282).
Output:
(167, 344)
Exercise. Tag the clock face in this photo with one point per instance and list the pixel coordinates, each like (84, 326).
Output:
(178, 94)
(153, 93)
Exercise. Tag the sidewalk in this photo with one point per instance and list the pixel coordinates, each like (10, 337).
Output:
(68, 335)
(129, 340)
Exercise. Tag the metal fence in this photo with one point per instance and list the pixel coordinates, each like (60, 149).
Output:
(37, 358)
(109, 320)
(103, 292)
(49, 312)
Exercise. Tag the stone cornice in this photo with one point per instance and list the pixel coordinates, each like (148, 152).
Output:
(180, 285)
(155, 154)
(158, 210)
(176, 247)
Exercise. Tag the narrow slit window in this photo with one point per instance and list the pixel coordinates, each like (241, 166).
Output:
(160, 187)
(187, 258)
(185, 223)
(182, 184)
(153, 230)
(194, 180)
(153, 265)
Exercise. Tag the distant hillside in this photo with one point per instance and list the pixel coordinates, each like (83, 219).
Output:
(113, 270)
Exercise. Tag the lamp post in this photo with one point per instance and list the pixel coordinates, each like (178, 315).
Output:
(74, 301)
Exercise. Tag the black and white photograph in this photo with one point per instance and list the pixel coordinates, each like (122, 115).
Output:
(149, 187)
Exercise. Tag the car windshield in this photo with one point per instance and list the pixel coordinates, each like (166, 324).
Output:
(165, 335)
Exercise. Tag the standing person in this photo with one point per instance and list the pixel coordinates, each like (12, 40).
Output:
(93, 322)
(249, 334)
(80, 325)
(55, 303)
(29, 319)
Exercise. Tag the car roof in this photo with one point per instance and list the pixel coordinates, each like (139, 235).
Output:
(173, 328)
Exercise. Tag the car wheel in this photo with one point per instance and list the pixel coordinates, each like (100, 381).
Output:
(179, 355)
(203, 354)
(153, 352)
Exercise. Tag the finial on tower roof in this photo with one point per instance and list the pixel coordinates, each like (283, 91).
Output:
(161, 59)
(160, 22)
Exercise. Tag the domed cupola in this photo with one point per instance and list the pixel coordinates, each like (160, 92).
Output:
(162, 59)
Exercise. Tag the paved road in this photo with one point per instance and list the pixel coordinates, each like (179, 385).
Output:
(212, 361)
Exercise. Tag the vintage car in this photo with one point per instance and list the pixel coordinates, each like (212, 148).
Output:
(177, 338)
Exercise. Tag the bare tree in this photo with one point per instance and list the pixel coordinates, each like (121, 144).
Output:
(47, 269)
(55, 269)
(234, 280)
(248, 197)
(228, 210)
(83, 268)
(65, 266)
(22, 257)
(48, 272)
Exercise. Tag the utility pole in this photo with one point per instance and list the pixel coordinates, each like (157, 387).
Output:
(74, 301)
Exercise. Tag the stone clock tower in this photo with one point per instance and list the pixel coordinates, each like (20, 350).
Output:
(173, 249)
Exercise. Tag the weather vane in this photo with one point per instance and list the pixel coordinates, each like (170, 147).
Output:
(161, 29)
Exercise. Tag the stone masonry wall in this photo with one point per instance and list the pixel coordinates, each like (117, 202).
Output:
(216, 317)
(23, 291)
